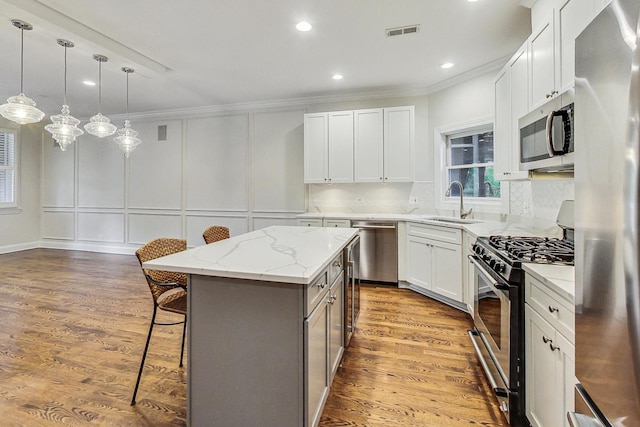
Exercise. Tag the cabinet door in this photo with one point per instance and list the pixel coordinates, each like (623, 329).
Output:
(317, 380)
(544, 401)
(316, 140)
(502, 124)
(419, 268)
(340, 147)
(519, 68)
(336, 325)
(542, 64)
(369, 150)
(447, 270)
(566, 376)
(572, 16)
(398, 144)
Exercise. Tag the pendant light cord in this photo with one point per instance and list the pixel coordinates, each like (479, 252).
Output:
(127, 95)
(65, 75)
(100, 87)
(22, 60)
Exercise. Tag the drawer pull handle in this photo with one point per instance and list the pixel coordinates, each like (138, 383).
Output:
(547, 340)
(554, 347)
(322, 285)
(337, 263)
(553, 309)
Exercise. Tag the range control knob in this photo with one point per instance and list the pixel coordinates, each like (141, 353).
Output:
(499, 267)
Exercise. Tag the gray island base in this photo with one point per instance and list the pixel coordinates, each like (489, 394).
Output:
(266, 322)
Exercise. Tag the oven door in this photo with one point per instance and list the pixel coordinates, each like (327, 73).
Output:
(491, 337)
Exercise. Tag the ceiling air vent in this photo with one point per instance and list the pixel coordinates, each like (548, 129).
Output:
(391, 32)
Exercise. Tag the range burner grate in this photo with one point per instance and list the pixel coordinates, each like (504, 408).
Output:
(535, 249)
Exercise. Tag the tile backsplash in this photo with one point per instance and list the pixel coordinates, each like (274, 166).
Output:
(540, 198)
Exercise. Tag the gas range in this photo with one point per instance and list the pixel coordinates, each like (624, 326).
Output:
(505, 254)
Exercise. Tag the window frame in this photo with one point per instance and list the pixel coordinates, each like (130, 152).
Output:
(442, 167)
(13, 207)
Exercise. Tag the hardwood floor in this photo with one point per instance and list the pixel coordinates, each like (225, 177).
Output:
(74, 325)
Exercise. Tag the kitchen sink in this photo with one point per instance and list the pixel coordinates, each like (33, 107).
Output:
(450, 220)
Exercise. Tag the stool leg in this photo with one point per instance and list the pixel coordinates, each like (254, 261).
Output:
(184, 333)
(144, 354)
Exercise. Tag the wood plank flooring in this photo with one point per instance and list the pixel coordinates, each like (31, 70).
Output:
(74, 325)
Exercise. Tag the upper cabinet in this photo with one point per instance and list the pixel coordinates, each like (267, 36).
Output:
(328, 147)
(551, 47)
(511, 102)
(373, 145)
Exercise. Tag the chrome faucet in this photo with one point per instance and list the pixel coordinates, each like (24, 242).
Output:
(463, 213)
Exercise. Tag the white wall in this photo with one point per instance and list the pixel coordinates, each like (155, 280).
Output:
(242, 170)
(20, 228)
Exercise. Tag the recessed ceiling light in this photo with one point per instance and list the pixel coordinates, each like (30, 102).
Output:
(89, 83)
(472, 1)
(337, 77)
(447, 65)
(303, 26)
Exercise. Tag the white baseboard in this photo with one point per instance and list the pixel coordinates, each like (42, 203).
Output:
(108, 248)
(19, 247)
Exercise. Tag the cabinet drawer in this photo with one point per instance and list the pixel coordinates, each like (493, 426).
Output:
(341, 223)
(444, 234)
(551, 306)
(335, 268)
(315, 292)
(313, 222)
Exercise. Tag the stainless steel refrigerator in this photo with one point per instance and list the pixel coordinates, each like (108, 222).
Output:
(607, 158)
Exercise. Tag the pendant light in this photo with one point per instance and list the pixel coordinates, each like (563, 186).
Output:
(65, 127)
(127, 138)
(20, 108)
(100, 125)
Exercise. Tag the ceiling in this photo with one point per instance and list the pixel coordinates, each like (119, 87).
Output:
(198, 54)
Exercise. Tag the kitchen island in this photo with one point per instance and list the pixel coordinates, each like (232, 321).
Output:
(265, 325)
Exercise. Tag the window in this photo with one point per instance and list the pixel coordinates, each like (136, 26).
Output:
(8, 169)
(469, 160)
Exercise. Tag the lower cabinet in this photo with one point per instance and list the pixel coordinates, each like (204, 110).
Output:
(550, 360)
(324, 346)
(435, 265)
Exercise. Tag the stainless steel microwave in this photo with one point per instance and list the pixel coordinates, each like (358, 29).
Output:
(546, 136)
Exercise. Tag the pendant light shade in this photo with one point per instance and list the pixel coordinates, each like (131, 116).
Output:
(100, 125)
(64, 128)
(21, 109)
(127, 138)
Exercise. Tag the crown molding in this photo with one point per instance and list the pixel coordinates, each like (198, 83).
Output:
(305, 102)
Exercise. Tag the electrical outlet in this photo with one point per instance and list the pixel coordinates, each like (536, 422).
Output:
(413, 200)
(525, 208)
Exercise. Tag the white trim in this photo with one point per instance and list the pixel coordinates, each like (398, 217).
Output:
(107, 248)
(19, 247)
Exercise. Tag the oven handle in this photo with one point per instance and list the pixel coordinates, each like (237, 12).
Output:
(485, 273)
(499, 391)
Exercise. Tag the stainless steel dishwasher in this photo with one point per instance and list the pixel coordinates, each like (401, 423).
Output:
(378, 250)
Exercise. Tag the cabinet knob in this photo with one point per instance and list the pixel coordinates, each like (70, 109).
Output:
(553, 309)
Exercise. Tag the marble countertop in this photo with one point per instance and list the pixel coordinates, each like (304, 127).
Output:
(560, 278)
(277, 254)
(477, 227)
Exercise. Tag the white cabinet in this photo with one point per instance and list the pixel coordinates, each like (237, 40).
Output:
(434, 262)
(552, 47)
(511, 103)
(340, 223)
(384, 141)
(310, 222)
(550, 355)
(316, 147)
(399, 138)
(542, 74)
(328, 147)
(468, 272)
(369, 146)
